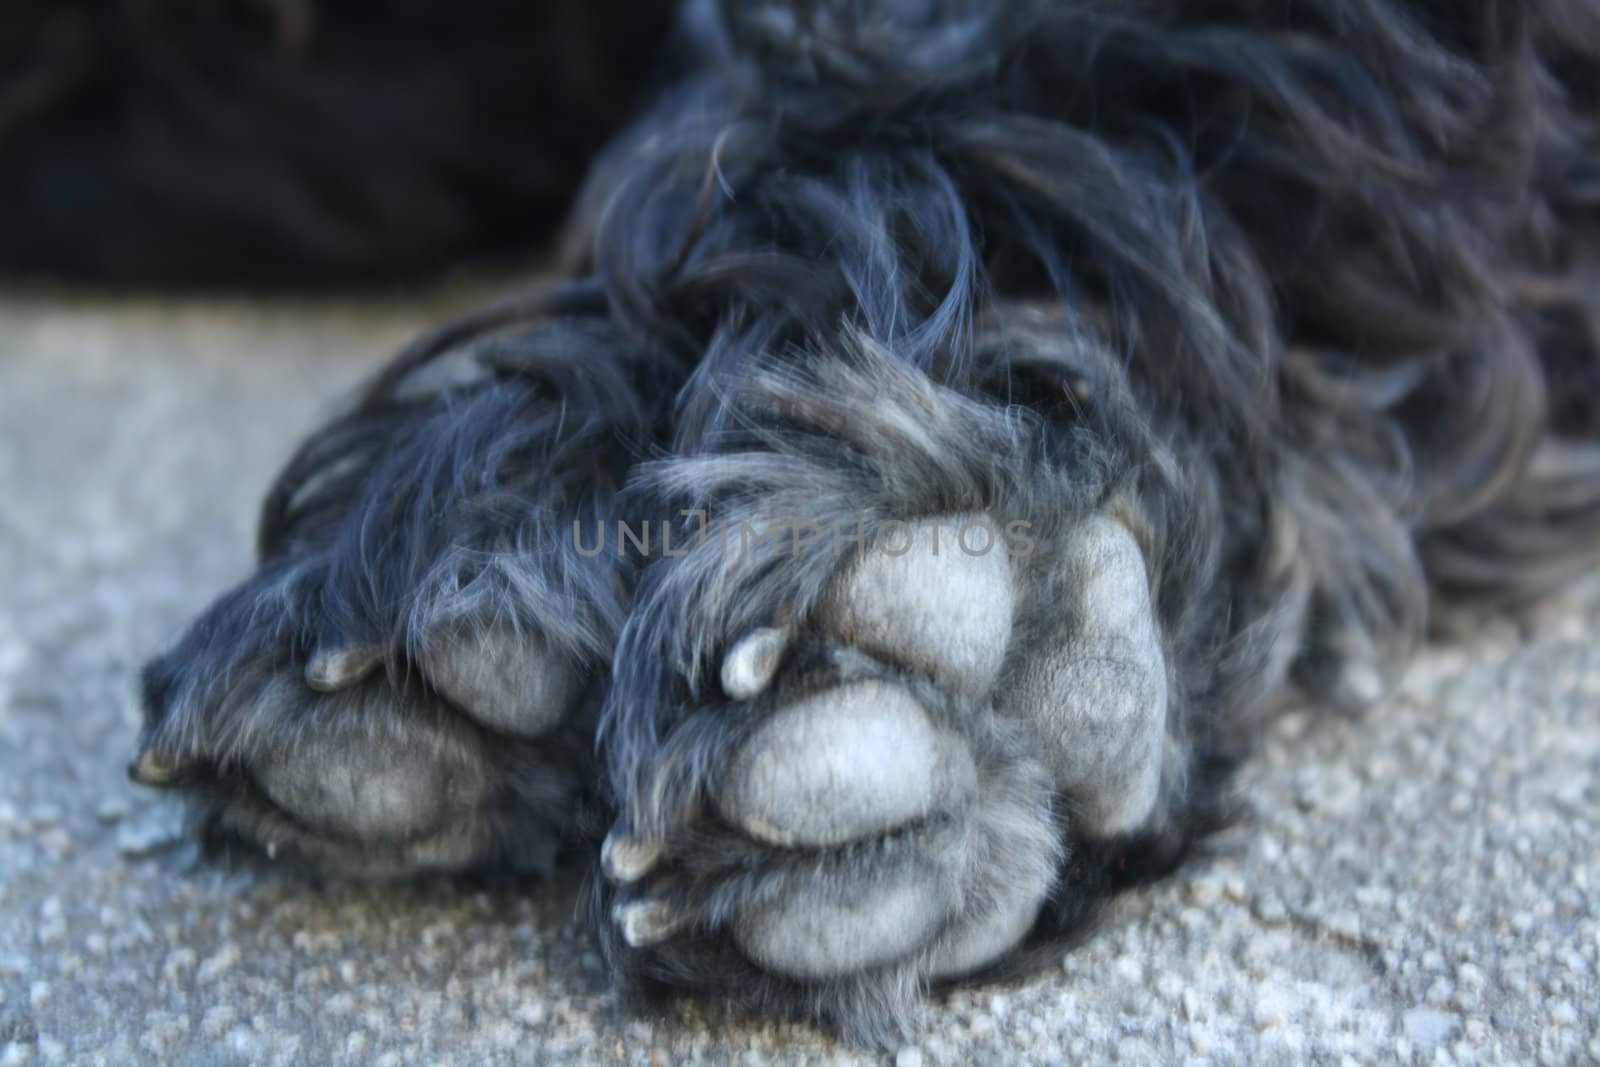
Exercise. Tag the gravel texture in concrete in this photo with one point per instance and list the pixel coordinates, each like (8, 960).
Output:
(1421, 885)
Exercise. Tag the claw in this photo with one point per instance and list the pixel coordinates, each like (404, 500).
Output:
(150, 769)
(647, 922)
(628, 859)
(333, 669)
(753, 660)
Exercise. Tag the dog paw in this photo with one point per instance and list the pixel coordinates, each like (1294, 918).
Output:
(465, 750)
(407, 683)
(894, 779)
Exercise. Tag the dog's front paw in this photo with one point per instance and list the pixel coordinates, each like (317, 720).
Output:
(467, 750)
(893, 782)
(408, 682)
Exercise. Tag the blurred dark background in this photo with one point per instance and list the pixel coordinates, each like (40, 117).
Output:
(199, 142)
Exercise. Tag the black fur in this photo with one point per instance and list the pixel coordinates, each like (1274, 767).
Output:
(1305, 293)
(295, 141)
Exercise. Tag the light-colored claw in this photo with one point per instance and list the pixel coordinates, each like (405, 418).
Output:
(647, 922)
(152, 770)
(628, 859)
(333, 669)
(751, 663)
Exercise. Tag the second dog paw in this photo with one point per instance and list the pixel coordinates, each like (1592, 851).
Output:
(468, 752)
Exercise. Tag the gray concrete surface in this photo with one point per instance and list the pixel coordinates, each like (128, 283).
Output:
(1419, 886)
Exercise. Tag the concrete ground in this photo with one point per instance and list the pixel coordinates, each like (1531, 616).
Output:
(1422, 885)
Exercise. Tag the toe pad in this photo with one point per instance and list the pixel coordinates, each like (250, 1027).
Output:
(844, 764)
(935, 594)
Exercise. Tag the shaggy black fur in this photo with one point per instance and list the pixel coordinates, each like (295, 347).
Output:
(1306, 294)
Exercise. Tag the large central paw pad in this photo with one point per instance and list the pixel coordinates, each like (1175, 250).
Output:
(891, 798)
